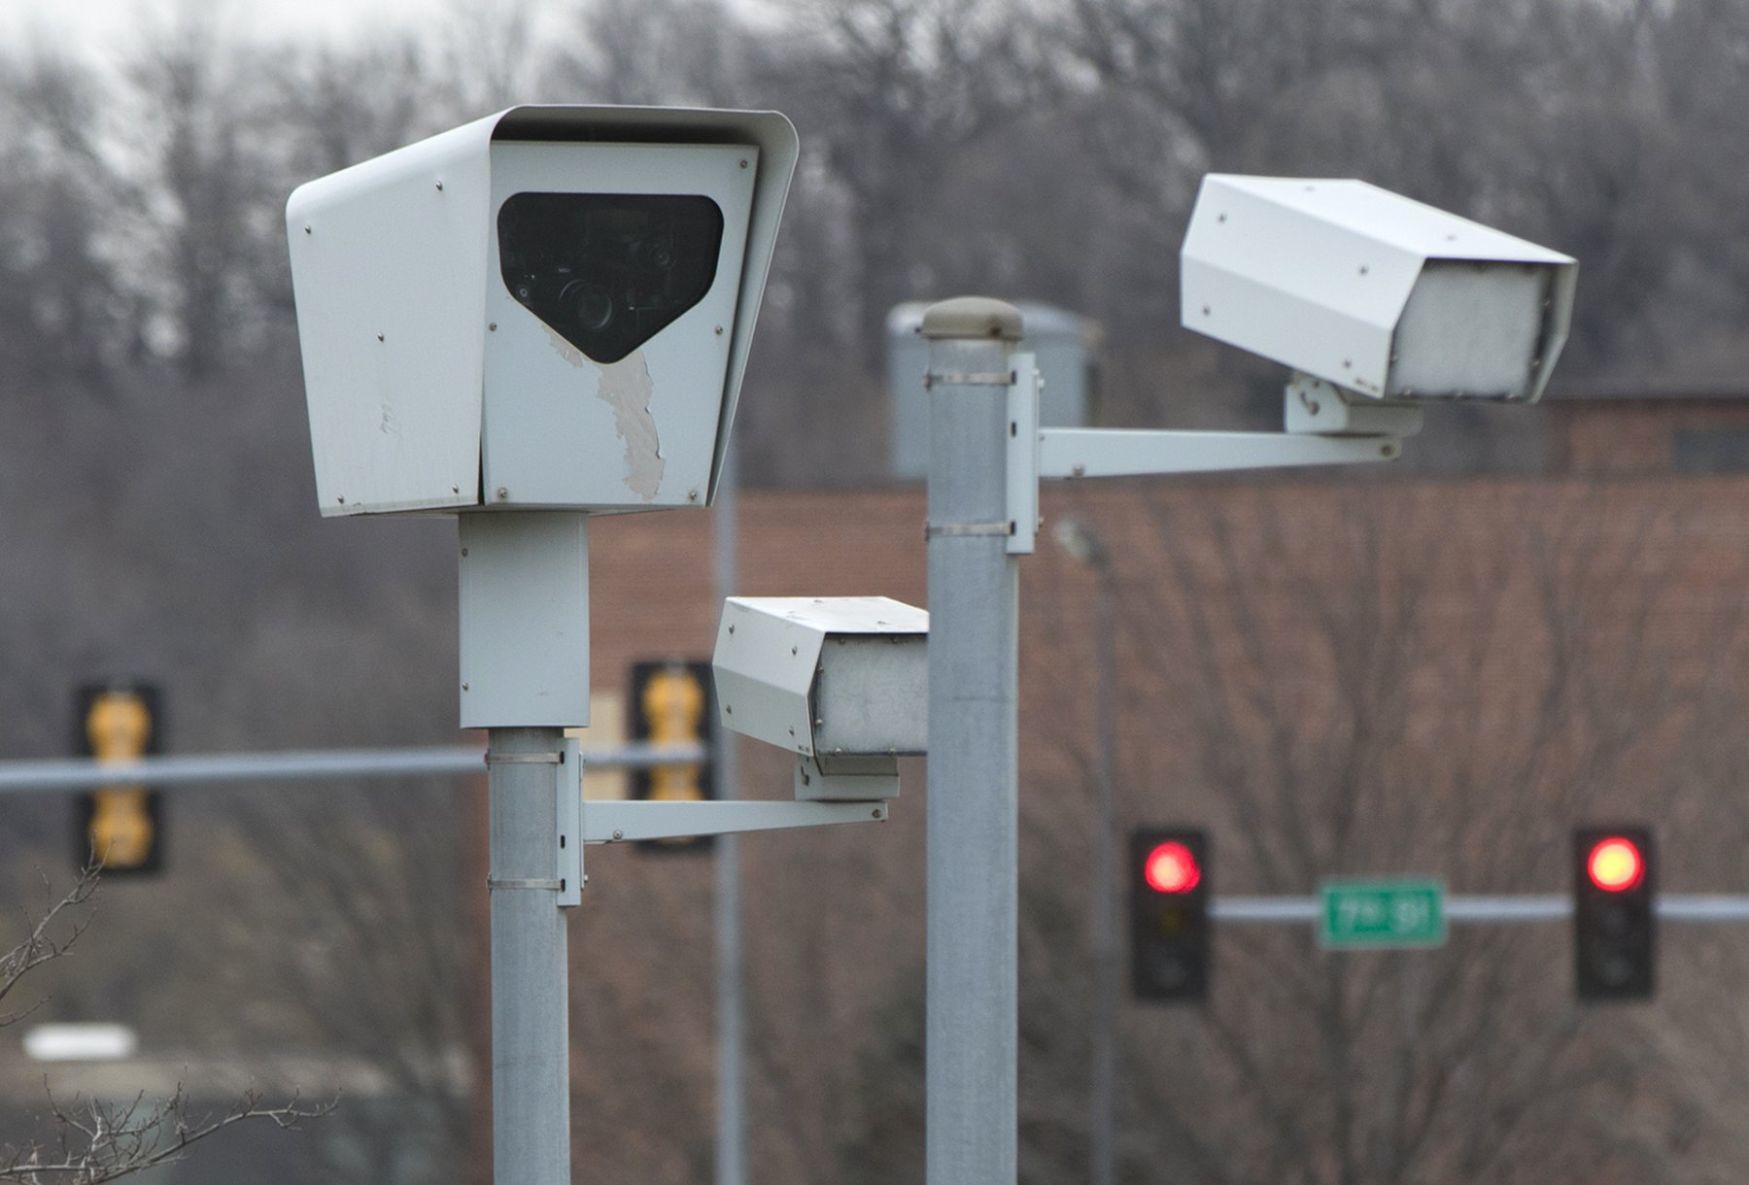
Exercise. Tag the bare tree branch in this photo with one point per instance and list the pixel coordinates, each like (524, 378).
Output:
(51, 936)
(97, 1141)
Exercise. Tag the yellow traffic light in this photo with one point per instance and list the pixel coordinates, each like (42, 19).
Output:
(121, 828)
(671, 704)
(119, 823)
(118, 725)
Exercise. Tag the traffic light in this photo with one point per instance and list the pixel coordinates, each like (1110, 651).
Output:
(1613, 933)
(671, 704)
(118, 826)
(1169, 914)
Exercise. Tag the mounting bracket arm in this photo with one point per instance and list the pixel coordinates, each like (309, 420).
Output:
(618, 822)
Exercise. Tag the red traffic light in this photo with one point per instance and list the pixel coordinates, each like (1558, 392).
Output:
(1171, 867)
(1615, 864)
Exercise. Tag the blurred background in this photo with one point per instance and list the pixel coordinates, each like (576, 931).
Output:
(1535, 620)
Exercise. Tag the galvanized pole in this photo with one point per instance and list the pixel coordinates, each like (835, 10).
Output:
(973, 857)
(1105, 951)
(731, 1168)
(531, 1083)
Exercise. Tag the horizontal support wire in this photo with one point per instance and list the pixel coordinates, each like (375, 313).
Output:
(83, 774)
(1675, 907)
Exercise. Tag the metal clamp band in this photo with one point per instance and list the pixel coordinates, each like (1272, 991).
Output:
(974, 378)
(525, 759)
(551, 883)
(931, 530)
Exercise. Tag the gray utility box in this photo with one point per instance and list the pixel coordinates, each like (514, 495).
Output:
(1065, 344)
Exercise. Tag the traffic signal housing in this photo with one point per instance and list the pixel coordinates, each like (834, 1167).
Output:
(1614, 935)
(1169, 914)
(672, 703)
(119, 826)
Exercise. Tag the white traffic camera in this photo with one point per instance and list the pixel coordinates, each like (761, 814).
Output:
(1373, 293)
(841, 682)
(549, 308)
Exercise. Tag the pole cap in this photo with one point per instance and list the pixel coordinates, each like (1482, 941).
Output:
(972, 317)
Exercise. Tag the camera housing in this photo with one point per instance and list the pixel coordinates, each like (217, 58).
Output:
(841, 682)
(1372, 292)
(549, 308)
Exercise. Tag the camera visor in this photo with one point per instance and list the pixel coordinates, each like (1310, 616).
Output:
(608, 271)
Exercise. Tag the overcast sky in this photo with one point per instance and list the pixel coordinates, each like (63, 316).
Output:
(107, 28)
(104, 26)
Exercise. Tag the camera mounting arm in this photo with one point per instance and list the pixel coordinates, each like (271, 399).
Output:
(577, 822)
(1113, 452)
(616, 822)
(1324, 425)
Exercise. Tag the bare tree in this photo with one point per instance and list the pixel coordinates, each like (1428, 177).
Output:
(1461, 106)
(893, 93)
(60, 309)
(490, 55)
(332, 106)
(50, 936)
(1364, 692)
(679, 52)
(204, 215)
(1371, 679)
(94, 1140)
(373, 957)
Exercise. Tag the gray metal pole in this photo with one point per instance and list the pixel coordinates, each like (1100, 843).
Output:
(531, 1082)
(66, 774)
(1508, 909)
(973, 856)
(731, 1167)
(1103, 1143)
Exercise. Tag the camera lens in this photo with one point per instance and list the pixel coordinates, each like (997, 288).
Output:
(655, 254)
(591, 305)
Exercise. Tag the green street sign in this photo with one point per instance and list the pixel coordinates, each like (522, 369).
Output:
(1381, 915)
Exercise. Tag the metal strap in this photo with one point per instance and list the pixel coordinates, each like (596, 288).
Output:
(974, 378)
(525, 758)
(931, 530)
(550, 883)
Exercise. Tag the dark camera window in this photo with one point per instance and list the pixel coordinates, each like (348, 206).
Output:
(608, 271)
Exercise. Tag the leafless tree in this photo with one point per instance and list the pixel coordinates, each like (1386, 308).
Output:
(51, 935)
(202, 221)
(1340, 681)
(94, 1140)
(1379, 679)
(678, 52)
(1045, 150)
(374, 923)
(61, 311)
(893, 94)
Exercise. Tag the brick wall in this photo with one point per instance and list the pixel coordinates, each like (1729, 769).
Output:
(1349, 676)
